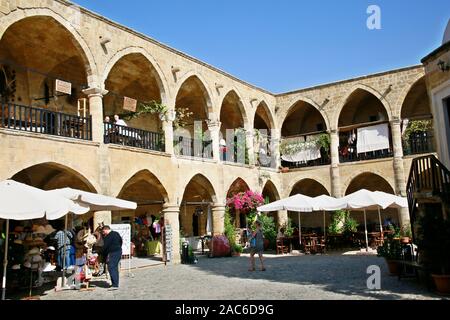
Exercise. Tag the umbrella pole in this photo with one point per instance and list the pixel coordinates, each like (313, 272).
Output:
(299, 229)
(381, 225)
(5, 261)
(64, 254)
(324, 227)
(365, 231)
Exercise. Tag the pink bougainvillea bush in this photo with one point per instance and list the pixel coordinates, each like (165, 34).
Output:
(245, 201)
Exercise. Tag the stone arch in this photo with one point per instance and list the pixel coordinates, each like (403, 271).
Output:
(351, 92)
(309, 187)
(155, 69)
(294, 103)
(419, 94)
(204, 183)
(270, 119)
(150, 179)
(404, 92)
(208, 96)
(238, 185)
(78, 40)
(370, 180)
(52, 175)
(272, 191)
(240, 106)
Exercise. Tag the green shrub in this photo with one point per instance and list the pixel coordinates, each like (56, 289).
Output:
(268, 228)
(229, 228)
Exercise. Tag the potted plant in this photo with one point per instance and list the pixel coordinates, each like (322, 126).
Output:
(433, 241)
(237, 250)
(391, 251)
(405, 234)
(269, 231)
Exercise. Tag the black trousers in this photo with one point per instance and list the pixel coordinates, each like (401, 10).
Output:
(113, 267)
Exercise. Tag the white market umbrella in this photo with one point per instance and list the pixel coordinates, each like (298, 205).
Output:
(298, 202)
(209, 221)
(19, 201)
(367, 200)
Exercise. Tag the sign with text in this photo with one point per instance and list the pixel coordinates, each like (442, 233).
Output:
(125, 232)
(129, 104)
(63, 86)
(168, 241)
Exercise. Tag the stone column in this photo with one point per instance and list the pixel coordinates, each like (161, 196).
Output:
(334, 168)
(95, 96)
(167, 125)
(399, 170)
(218, 216)
(214, 131)
(250, 146)
(171, 214)
(282, 217)
(275, 148)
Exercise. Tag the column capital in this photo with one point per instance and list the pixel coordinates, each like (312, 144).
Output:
(218, 206)
(170, 207)
(333, 131)
(213, 124)
(95, 92)
(395, 121)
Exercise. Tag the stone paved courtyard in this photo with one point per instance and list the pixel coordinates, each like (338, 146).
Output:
(287, 277)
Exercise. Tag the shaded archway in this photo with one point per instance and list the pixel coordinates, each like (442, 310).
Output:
(198, 197)
(133, 76)
(363, 111)
(238, 185)
(34, 53)
(270, 194)
(372, 182)
(49, 176)
(417, 120)
(193, 97)
(303, 123)
(310, 221)
(146, 190)
(263, 124)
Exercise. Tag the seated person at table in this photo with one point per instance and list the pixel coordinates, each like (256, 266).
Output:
(119, 121)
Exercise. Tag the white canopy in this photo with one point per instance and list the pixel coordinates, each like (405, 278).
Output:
(367, 200)
(298, 202)
(94, 201)
(327, 203)
(19, 201)
(396, 201)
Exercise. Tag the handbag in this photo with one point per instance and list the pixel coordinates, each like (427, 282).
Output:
(253, 242)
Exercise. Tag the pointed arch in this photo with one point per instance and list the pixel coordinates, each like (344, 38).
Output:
(155, 68)
(351, 92)
(271, 191)
(372, 181)
(77, 40)
(416, 103)
(309, 187)
(148, 183)
(203, 184)
(203, 86)
(238, 185)
(267, 116)
(239, 103)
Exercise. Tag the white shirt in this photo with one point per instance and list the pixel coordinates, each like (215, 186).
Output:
(120, 122)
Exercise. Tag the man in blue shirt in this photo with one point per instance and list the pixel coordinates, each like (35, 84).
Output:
(112, 250)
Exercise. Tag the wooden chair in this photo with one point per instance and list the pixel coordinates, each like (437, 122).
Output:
(281, 246)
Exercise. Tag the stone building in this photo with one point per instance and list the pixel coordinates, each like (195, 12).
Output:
(65, 68)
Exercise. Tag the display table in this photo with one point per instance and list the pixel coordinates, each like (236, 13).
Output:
(153, 247)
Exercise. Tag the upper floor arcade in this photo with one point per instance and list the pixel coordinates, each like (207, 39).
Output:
(61, 78)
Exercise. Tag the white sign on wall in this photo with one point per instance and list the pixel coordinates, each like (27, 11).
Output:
(63, 86)
(125, 232)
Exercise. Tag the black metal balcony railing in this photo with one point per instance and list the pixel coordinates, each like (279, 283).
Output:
(234, 153)
(40, 120)
(185, 146)
(418, 143)
(132, 137)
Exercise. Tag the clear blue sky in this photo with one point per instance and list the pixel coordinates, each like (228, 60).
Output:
(288, 44)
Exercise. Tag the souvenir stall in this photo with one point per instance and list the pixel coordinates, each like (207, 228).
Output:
(146, 235)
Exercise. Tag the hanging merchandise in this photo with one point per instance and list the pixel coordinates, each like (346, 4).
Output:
(373, 138)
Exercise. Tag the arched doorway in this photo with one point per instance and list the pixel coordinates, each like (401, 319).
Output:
(232, 133)
(270, 194)
(262, 125)
(146, 190)
(196, 219)
(132, 83)
(310, 222)
(364, 131)
(417, 120)
(190, 139)
(302, 130)
(44, 71)
(372, 182)
(238, 186)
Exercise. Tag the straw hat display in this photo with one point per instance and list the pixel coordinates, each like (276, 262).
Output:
(40, 230)
(49, 229)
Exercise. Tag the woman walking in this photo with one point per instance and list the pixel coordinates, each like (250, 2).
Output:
(257, 246)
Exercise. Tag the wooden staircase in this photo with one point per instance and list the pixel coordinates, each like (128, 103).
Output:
(428, 187)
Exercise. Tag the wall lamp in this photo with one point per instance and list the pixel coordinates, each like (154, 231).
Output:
(443, 66)
(104, 41)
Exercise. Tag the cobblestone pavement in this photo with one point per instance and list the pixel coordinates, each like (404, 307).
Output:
(286, 277)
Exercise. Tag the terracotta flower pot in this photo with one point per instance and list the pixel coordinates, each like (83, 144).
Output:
(393, 267)
(442, 282)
